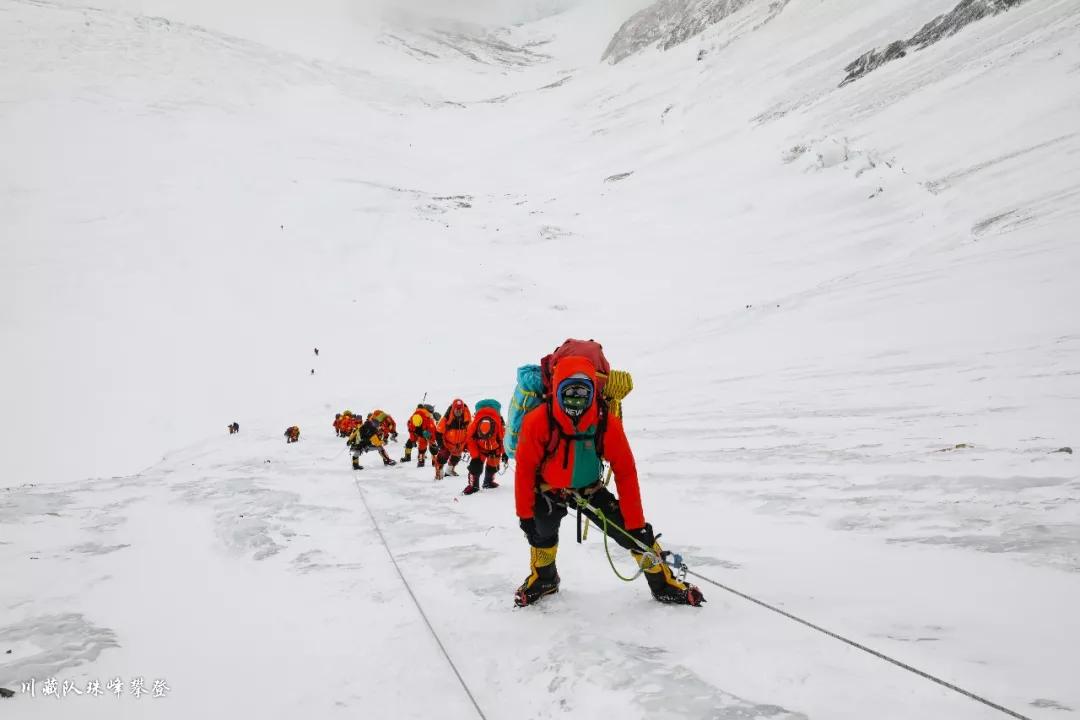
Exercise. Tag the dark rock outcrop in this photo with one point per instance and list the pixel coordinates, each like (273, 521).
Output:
(668, 23)
(943, 26)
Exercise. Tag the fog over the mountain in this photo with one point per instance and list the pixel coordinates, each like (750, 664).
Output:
(335, 29)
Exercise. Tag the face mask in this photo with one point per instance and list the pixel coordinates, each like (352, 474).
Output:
(575, 398)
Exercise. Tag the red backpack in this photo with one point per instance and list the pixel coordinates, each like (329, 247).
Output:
(588, 349)
(594, 353)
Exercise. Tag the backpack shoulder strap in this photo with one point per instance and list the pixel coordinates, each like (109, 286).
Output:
(554, 431)
(601, 426)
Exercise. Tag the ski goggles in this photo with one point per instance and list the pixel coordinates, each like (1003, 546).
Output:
(575, 395)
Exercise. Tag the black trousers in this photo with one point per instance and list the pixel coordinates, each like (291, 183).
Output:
(549, 508)
(477, 464)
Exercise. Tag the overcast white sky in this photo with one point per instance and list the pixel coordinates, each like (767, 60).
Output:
(211, 12)
(331, 29)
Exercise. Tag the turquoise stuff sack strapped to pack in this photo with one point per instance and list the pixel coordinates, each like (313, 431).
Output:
(528, 394)
(489, 403)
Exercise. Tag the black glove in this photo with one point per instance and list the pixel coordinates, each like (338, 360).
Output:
(506, 459)
(643, 535)
(528, 526)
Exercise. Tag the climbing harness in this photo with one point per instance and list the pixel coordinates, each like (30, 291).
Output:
(416, 601)
(675, 563)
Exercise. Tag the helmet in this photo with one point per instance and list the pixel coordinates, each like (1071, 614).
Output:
(457, 407)
(575, 395)
(416, 421)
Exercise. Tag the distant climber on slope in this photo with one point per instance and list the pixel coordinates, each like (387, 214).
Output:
(292, 434)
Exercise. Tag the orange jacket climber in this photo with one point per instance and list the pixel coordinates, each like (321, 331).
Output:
(422, 431)
(547, 445)
(349, 422)
(451, 432)
(484, 438)
(387, 426)
(453, 426)
(485, 435)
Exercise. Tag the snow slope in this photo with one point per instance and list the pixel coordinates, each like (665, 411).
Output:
(821, 293)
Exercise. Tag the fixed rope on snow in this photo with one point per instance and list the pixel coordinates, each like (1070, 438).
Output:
(416, 601)
(679, 568)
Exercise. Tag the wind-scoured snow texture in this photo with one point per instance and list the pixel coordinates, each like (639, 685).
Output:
(479, 44)
(943, 26)
(671, 22)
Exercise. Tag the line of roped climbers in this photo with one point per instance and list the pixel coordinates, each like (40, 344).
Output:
(565, 429)
(448, 437)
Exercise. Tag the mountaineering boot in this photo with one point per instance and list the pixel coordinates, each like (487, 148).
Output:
(356, 463)
(490, 483)
(407, 456)
(452, 472)
(665, 587)
(386, 459)
(438, 472)
(543, 578)
(473, 486)
(421, 460)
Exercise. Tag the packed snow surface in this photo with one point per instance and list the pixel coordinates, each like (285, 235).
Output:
(850, 314)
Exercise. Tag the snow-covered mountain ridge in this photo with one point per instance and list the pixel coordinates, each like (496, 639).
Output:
(668, 23)
(944, 25)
